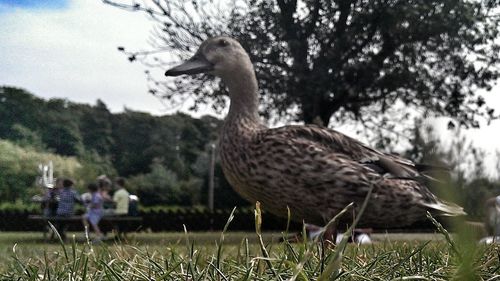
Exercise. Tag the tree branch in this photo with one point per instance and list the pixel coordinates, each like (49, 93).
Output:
(314, 19)
(341, 24)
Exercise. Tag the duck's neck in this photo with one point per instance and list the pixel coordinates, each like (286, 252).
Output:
(243, 92)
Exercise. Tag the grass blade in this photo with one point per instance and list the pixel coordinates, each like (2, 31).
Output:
(333, 267)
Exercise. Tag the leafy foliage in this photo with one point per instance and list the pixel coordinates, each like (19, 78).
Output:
(25, 137)
(96, 129)
(157, 153)
(18, 170)
(158, 186)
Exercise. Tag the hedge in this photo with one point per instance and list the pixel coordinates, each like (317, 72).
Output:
(15, 218)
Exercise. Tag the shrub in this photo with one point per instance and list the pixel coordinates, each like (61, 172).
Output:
(161, 186)
(18, 169)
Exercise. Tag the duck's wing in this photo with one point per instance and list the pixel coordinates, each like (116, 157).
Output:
(388, 165)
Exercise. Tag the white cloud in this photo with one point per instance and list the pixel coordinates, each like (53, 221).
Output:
(71, 53)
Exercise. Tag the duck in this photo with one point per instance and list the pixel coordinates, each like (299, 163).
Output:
(307, 171)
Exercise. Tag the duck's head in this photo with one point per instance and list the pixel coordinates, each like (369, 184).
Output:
(221, 56)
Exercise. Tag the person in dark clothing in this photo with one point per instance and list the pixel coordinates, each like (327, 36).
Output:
(50, 199)
(68, 196)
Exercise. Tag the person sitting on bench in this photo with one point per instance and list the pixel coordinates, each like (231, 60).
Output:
(121, 198)
(94, 211)
(68, 196)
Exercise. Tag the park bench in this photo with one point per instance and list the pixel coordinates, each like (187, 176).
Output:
(119, 224)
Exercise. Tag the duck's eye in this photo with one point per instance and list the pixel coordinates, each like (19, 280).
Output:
(223, 43)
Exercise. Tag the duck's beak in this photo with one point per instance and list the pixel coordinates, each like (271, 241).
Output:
(197, 64)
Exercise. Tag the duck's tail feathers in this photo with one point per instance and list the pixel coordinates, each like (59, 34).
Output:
(447, 209)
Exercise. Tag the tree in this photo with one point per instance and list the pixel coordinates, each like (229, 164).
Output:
(96, 127)
(18, 170)
(132, 135)
(161, 186)
(60, 128)
(27, 138)
(18, 107)
(318, 59)
(53, 121)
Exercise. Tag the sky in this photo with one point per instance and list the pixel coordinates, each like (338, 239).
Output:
(68, 49)
(51, 4)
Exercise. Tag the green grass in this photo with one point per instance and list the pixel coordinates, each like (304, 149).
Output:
(200, 256)
(249, 256)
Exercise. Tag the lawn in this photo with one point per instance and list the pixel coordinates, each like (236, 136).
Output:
(228, 255)
(240, 256)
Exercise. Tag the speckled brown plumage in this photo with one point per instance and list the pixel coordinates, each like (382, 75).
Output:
(314, 171)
